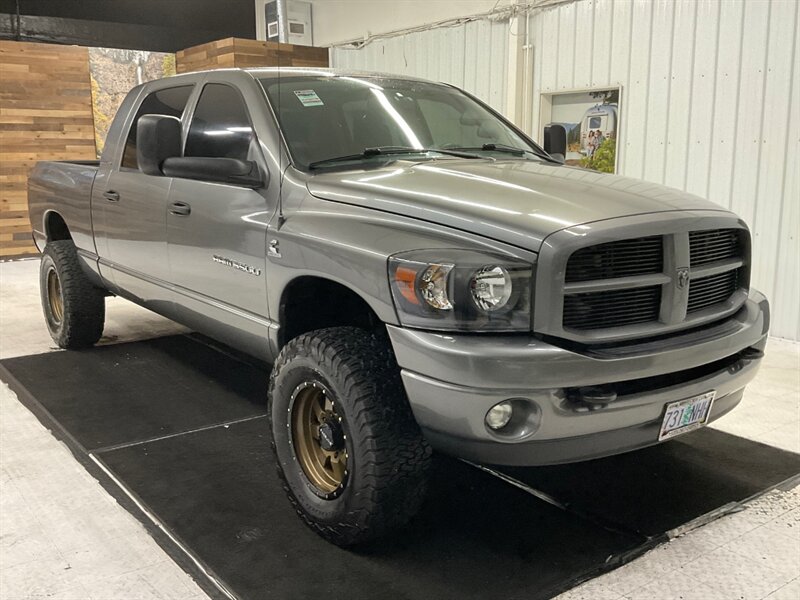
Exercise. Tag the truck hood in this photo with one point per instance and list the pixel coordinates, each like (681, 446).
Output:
(519, 202)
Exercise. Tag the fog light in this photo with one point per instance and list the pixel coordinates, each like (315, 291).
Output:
(499, 415)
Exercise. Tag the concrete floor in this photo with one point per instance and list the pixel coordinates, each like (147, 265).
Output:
(62, 536)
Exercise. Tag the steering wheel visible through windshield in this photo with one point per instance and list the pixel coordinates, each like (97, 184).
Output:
(343, 119)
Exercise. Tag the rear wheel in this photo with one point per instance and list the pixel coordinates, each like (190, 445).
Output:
(352, 458)
(74, 309)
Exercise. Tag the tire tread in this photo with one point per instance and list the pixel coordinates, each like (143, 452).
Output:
(84, 303)
(395, 457)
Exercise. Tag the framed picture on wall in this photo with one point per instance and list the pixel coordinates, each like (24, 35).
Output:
(591, 121)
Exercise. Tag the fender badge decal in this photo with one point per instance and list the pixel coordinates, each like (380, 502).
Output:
(236, 265)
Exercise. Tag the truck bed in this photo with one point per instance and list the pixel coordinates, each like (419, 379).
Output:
(65, 186)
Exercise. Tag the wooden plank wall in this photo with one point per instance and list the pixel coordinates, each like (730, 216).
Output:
(242, 53)
(45, 114)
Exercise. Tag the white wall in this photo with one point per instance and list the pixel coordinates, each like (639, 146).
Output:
(472, 56)
(710, 105)
(345, 20)
(710, 100)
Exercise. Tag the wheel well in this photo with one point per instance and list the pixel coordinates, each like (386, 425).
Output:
(310, 303)
(56, 228)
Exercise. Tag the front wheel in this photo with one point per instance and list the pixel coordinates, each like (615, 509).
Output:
(74, 309)
(352, 458)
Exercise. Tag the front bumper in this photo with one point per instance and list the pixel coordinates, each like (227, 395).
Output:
(453, 379)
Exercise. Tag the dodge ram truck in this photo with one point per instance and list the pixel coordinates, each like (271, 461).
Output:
(421, 275)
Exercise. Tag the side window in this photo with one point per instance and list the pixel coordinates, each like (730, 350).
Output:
(220, 126)
(169, 101)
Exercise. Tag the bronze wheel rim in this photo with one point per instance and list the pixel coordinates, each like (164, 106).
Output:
(54, 296)
(318, 438)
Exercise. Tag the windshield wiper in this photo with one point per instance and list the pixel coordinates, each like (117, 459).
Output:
(497, 148)
(507, 149)
(389, 150)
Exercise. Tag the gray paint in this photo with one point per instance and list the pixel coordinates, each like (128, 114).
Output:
(343, 225)
(518, 202)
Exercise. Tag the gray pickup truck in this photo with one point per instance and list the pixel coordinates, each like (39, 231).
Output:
(419, 272)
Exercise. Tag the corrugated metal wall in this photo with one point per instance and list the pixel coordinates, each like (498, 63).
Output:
(710, 101)
(710, 104)
(473, 56)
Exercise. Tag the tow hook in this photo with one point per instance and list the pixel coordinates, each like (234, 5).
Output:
(751, 354)
(594, 395)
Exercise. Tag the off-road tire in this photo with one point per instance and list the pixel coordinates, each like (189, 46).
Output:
(83, 305)
(388, 459)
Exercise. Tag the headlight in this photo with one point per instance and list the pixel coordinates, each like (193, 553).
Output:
(491, 288)
(461, 290)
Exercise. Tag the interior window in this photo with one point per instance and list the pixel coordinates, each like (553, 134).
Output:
(220, 126)
(453, 125)
(169, 101)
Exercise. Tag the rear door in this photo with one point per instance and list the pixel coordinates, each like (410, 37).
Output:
(216, 232)
(132, 209)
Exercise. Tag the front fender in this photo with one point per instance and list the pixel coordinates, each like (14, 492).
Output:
(350, 245)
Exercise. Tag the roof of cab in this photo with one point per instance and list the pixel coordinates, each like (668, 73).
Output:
(276, 72)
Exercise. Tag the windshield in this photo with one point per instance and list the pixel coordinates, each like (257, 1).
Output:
(327, 117)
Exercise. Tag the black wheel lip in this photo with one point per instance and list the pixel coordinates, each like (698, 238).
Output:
(309, 484)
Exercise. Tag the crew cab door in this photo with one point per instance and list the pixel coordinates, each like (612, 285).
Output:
(216, 232)
(130, 210)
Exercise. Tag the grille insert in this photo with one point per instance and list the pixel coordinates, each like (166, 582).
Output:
(625, 258)
(639, 302)
(598, 310)
(714, 245)
(711, 290)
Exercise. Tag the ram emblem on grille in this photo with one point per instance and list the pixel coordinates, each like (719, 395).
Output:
(683, 278)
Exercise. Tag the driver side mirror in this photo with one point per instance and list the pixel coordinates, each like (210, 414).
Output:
(219, 170)
(555, 141)
(158, 137)
(158, 151)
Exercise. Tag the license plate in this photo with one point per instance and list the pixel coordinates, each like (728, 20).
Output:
(684, 416)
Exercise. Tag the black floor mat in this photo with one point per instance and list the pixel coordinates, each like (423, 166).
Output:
(182, 427)
(476, 537)
(660, 488)
(123, 393)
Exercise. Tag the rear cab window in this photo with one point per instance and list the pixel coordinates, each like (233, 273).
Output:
(168, 101)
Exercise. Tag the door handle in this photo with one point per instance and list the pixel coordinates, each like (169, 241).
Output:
(180, 208)
(111, 196)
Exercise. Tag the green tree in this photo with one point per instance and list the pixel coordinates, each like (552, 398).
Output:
(603, 158)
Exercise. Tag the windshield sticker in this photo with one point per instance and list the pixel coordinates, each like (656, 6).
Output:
(308, 97)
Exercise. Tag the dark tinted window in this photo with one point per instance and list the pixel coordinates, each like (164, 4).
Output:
(169, 101)
(220, 126)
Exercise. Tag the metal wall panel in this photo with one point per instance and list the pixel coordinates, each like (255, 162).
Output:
(473, 56)
(709, 105)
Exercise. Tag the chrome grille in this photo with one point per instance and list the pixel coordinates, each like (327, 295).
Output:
(598, 310)
(711, 290)
(625, 258)
(711, 246)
